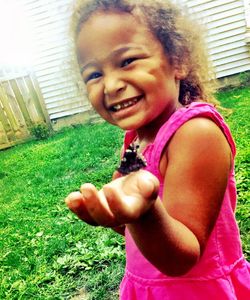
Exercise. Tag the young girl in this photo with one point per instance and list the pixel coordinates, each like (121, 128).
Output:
(144, 70)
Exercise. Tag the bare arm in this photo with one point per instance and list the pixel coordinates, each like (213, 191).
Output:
(196, 167)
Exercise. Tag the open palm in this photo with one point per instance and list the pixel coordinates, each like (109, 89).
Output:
(119, 202)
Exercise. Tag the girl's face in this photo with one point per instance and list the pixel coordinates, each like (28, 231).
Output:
(129, 80)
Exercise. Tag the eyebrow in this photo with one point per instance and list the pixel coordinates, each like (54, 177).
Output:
(112, 54)
(124, 49)
(84, 67)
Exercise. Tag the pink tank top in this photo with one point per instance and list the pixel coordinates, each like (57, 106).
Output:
(222, 272)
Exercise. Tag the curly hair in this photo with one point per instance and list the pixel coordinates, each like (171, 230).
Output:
(179, 35)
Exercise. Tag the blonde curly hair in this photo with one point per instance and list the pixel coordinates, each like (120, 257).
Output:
(180, 37)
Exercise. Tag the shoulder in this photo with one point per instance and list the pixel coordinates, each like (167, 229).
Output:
(199, 139)
(199, 131)
(198, 124)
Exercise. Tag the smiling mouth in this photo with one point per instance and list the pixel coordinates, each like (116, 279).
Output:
(125, 104)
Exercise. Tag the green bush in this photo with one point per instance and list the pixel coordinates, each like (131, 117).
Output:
(40, 131)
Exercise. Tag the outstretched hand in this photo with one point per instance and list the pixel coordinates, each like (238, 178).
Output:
(122, 201)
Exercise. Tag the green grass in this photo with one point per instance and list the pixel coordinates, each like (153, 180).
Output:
(238, 101)
(45, 251)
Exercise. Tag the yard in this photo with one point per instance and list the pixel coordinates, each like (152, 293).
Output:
(45, 251)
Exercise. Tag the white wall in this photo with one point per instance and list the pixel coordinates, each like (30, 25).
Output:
(52, 62)
(225, 20)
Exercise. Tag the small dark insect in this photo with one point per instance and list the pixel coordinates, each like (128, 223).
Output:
(132, 160)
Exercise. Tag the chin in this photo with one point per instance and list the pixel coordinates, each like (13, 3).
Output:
(129, 126)
(131, 123)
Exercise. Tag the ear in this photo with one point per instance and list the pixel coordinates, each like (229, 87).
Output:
(181, 72)
(181, 68)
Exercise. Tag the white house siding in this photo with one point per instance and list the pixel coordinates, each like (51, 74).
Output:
(247, 13)
(53, 57)
(225, 20)
(226, 23)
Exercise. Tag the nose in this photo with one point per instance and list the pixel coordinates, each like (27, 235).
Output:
(113, 85)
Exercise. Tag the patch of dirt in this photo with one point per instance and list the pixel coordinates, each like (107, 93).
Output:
(81, 295)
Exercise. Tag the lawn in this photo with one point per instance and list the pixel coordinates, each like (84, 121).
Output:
(45, 251)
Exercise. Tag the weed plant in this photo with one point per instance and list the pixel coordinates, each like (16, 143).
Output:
(40, 131)
(45, 251)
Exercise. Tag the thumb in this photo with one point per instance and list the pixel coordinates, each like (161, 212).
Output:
(116, 175)
(148, 185)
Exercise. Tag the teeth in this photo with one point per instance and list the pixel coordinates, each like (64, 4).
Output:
(117, 107)
(125, 104)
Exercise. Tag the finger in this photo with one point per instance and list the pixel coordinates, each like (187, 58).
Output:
(76, 204)
(116, 175)
(97, 205)
(148, 185)
(121, 209)
(132, 195)
(125, 207)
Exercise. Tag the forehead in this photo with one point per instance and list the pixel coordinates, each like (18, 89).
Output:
(106, 30)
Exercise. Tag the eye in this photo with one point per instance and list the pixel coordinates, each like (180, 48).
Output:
(127, 61)
(92, 76)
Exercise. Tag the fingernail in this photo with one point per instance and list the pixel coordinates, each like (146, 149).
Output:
(86, 193)
(73, 204)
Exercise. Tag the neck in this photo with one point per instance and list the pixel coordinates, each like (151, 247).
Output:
(147, 134)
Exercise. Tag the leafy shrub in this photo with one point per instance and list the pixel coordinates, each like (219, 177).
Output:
(40, 131)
